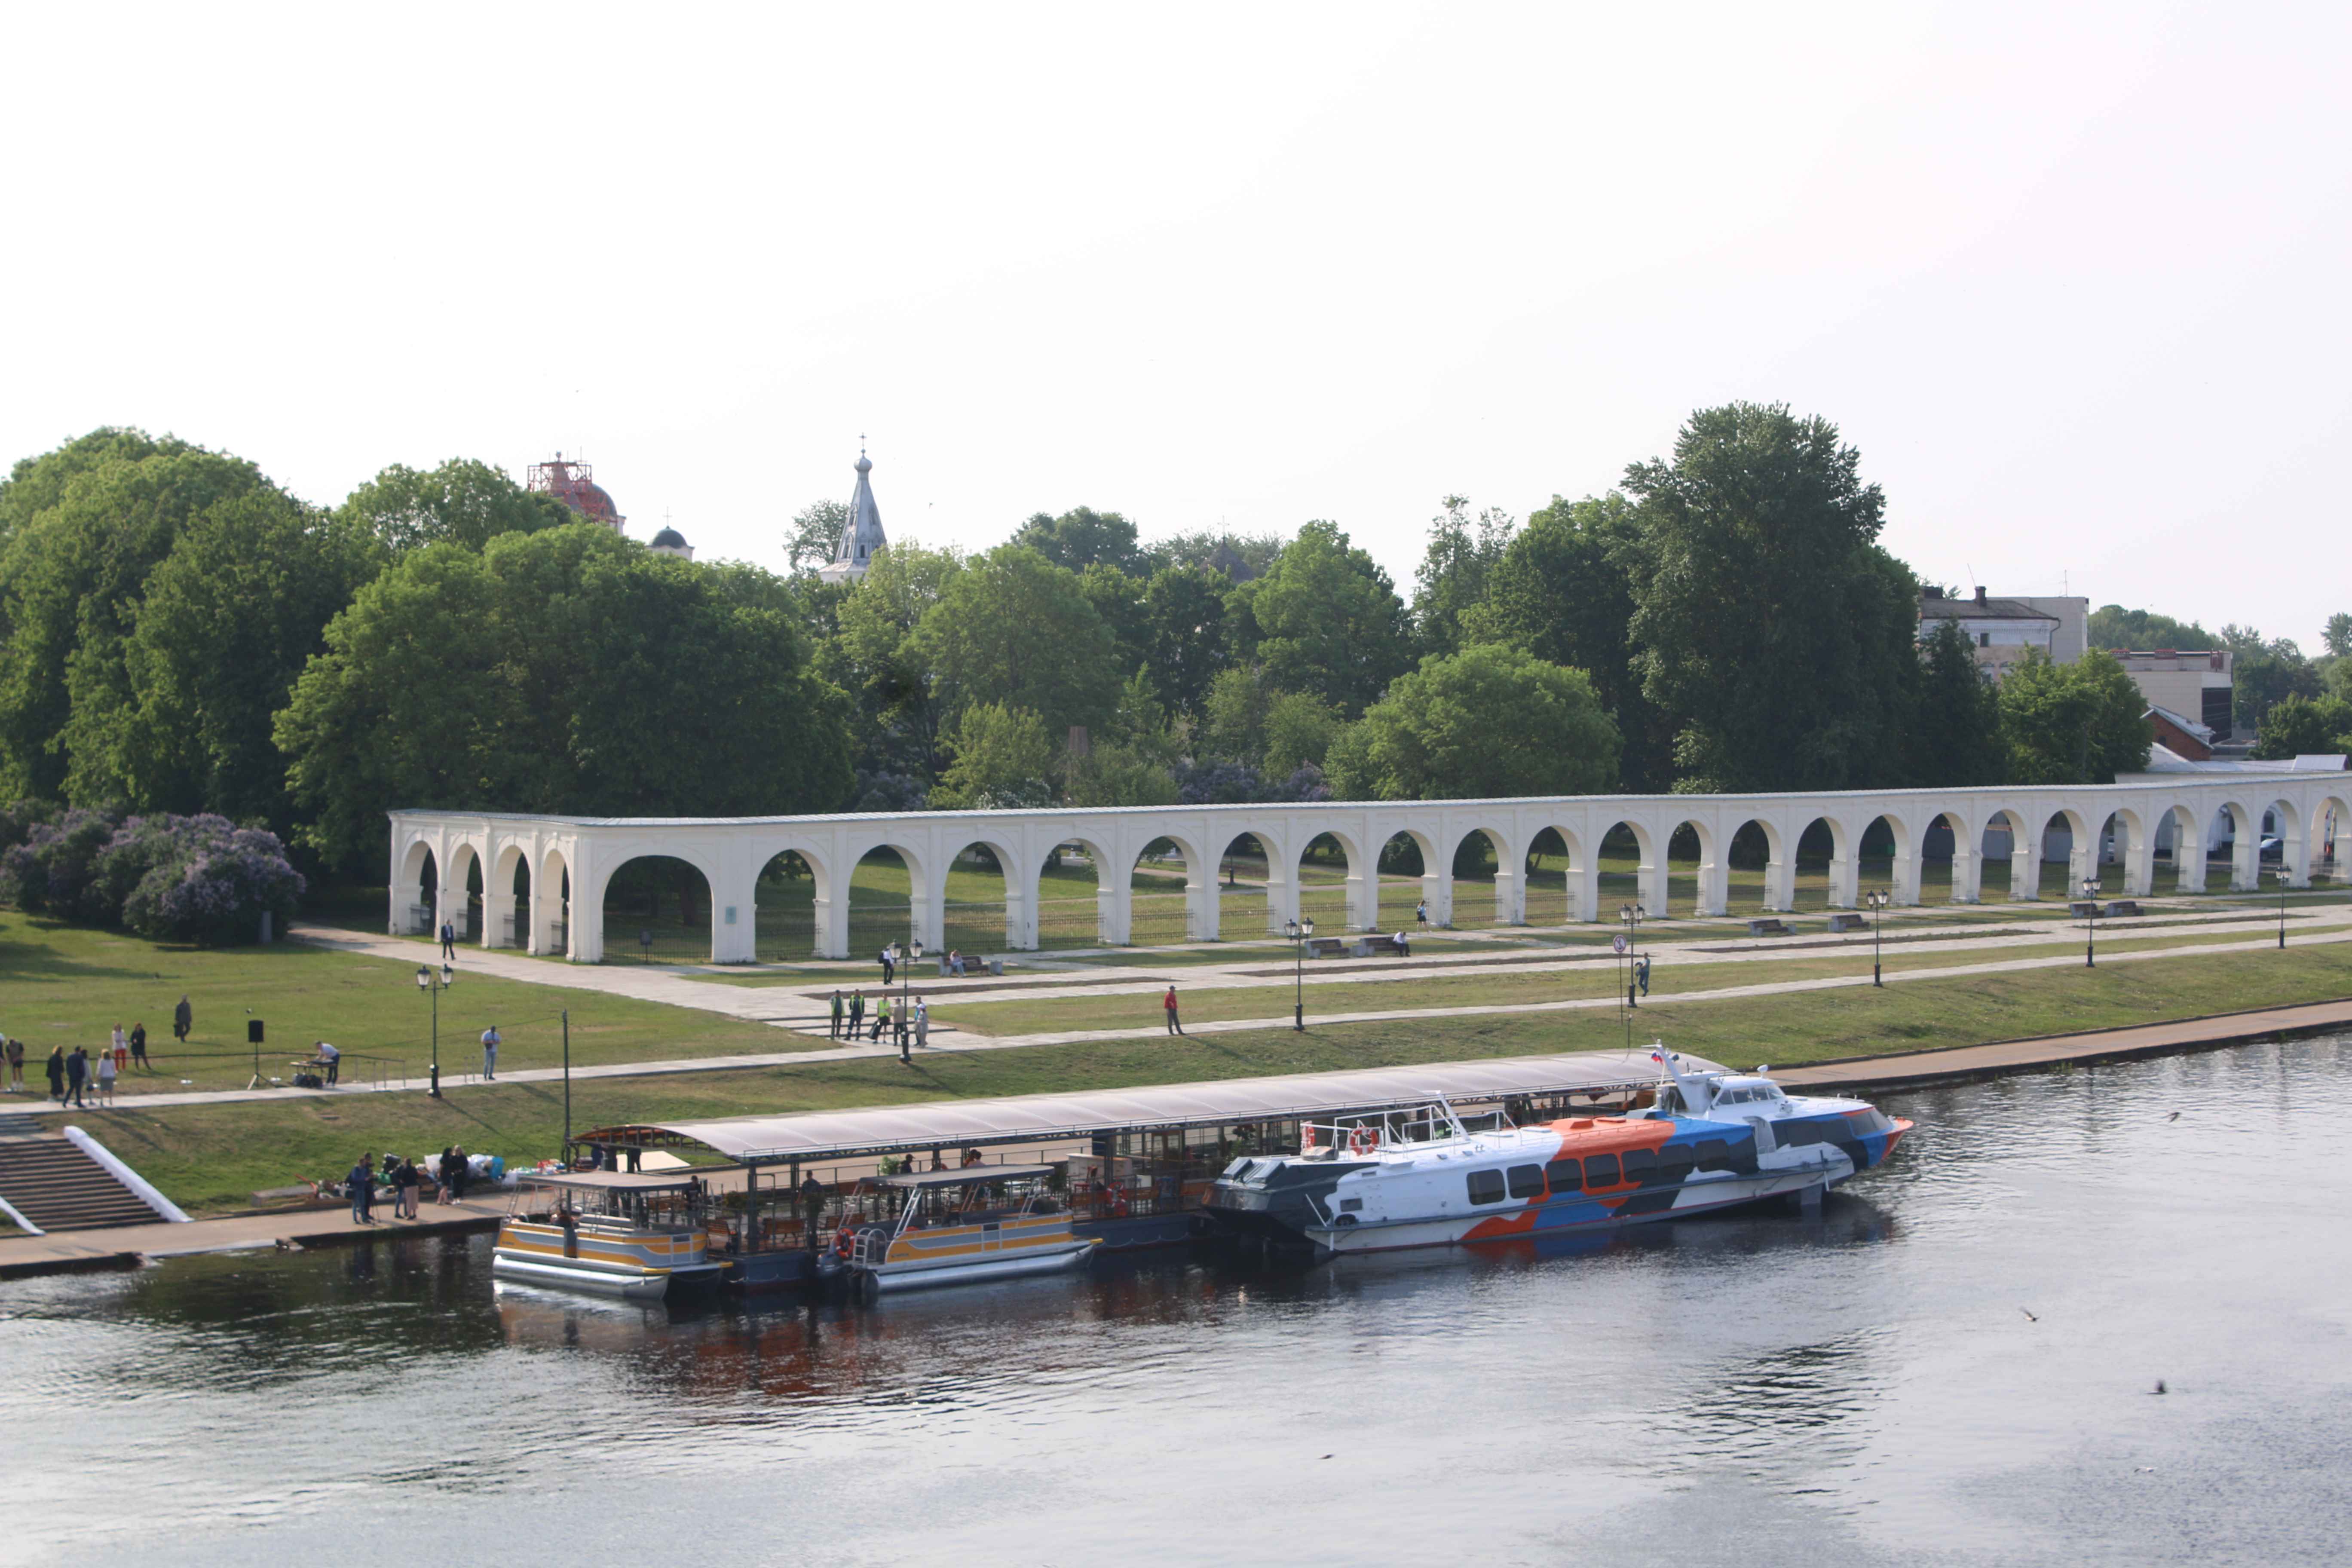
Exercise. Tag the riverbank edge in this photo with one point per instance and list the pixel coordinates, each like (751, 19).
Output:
(23, 1258)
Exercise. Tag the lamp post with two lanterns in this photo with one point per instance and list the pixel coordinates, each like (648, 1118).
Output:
(428, 980)
(1877, 900)
(906, 996)
(2090, 923)
(1298, 931)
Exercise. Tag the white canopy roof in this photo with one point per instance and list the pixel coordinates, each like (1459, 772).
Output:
(955, 1122)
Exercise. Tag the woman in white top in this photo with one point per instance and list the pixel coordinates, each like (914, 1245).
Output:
(106, 1075)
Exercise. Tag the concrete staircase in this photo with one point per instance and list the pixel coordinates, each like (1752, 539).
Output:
(52, 1183)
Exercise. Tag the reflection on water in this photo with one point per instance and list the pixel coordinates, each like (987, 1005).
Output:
(1954, 1362)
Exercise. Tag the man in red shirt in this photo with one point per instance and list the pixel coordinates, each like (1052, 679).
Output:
(1169, 1001)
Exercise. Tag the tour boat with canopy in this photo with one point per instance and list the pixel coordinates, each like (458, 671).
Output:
(611, 1233)
(1705, 1141)
(954, 1226)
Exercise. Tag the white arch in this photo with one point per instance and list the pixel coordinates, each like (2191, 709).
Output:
(550, 906)
(1510, 869)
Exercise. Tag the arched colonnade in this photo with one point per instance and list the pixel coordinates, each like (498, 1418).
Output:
(578, 856)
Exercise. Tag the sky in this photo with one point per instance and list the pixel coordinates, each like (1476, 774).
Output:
(2072, 278)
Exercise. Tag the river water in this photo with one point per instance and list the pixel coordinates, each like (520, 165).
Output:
(1956, 1364)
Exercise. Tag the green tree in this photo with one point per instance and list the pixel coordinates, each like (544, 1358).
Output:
(1955, 730)
(1014, 628)
(95, 519)
(1455, 571)
(1774, 633)
(1082, 538)
(2264, 674)
(1184, 633)
(1002, 757)
(1131, 763)
(2300, 726)
(2337, 637)
(1235, 557)
(1118, 599)
(564, 671)
(1563, 591)
(1299, 730)
(1487, 723)
(463, 502)
(2072, 723)
(1326, 619)
(813, 536)
(1233, 716)
(229, 619)
(2113, 626)
(877, 656)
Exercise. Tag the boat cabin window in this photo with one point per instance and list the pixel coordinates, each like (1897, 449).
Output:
(1565, 1175)
(1674, 1166)
(1641, 1164)
(1600, 1169)
(1486, 1186)
(1527, 1180)
(1711, 1154)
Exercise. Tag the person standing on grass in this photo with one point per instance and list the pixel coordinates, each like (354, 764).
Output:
(57, 1071)
(106, 1075)
(139, 1046)
(833, 1032)
(1421, 913)
(77, 1075)
(183, 1020)
(119, 1047)
(889, 960)
(490, 1042)
(1175, 1026)
(15, 1054)
(856, 1012)
(333, 1060)
(361, 1181)
(923, 1025)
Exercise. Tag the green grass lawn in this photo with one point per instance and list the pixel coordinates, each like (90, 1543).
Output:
(211, 1158)
(69, 986)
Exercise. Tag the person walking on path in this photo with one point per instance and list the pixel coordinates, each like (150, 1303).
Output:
(139, 1046)
(833, 1031)
(106, 1075)
(923, 1025)
(881, 1017)
(1175, 1026)
(183, 1020)
(77, 1075)
(856, 1012)
(333, 1060)
(1421, 913)
(361, 1181)
(57, 1071)
(890, 960)
(16, 1053)
(448, 943)
(490, 1040)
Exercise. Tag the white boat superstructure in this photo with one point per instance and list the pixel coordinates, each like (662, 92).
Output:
(607, 1233)
(1708, 1141)
(956, 1227)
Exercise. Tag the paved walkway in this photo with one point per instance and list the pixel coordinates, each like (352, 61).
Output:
(958, 1044)
(122, 1247)
(1880, 1073)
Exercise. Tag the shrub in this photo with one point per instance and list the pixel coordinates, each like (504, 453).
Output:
(208, 881)
(53, 872)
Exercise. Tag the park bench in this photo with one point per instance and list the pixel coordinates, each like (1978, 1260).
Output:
(1767, 927)
(2086, 907)
(1326, 946)
(2123, 907)
(1378, 947)
(1843, 922)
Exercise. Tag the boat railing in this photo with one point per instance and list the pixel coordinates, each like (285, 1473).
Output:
(1376, 1130)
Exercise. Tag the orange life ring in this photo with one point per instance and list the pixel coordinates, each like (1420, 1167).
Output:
(1359, 1141)
(845, 1242)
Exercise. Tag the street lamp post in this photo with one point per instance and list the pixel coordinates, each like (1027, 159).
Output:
(426, 981)
(1298, 931)
(2281, 882)
(1877, 900)
(905, 995)
(1632, 915)
(2091, 923)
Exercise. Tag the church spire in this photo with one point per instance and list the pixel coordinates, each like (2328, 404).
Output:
(862, 535)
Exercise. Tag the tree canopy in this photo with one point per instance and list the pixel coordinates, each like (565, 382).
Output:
(1774, 633)
(2300, 726)
(1487, 721)
(464, 501)
(1013, 628)
(1456, 570)
(1325, 619)
(564, 671)
(2072, 723)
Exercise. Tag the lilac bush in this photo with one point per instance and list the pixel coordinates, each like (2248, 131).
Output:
(175, 878)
